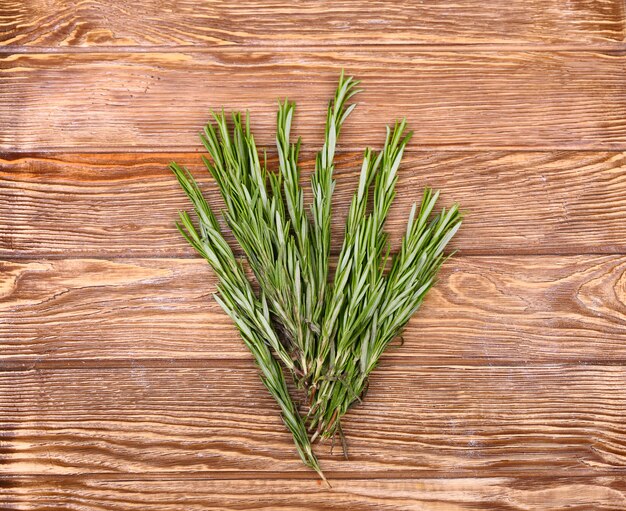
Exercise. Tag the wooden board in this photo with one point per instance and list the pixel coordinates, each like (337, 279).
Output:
(88, 24)
(484, 310)
(104, 205)
(453, 99)
(165, 492)
(123, 385)
(417, 421)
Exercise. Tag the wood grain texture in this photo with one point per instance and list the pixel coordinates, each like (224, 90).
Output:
(122, 383)
(417, 421)
(111, 205)
(94, 23)
(452, 99)
(484, 310)
(164, 493)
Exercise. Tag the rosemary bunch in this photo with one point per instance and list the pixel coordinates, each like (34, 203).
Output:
(327, 331)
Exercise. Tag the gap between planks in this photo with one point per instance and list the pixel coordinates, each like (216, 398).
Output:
(465, 253)
(17, 154)
(617, 47)
(235, 475)
(388, 362)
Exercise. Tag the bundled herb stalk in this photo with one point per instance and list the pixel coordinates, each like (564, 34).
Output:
(326, 331)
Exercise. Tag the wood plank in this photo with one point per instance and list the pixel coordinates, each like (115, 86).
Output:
(452, 99)
(108, 205)
(484, 310)
(63, 23)
(416, 421)
(193, 493)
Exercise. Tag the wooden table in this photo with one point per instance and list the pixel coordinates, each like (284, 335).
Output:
(124, 386)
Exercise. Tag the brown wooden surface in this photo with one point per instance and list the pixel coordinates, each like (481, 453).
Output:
(149, 418)
(453, 98)
(167, 493)
(112, 205)
(123, 385)
(491, 310)
(94, 24)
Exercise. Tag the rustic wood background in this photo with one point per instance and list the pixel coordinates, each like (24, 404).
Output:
(124, 386)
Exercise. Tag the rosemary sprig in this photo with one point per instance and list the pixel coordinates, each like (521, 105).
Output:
(359, 279)
(412, 274)
(249, 313)
(328, 332)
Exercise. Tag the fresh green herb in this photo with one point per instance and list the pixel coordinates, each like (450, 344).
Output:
(327, 331)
